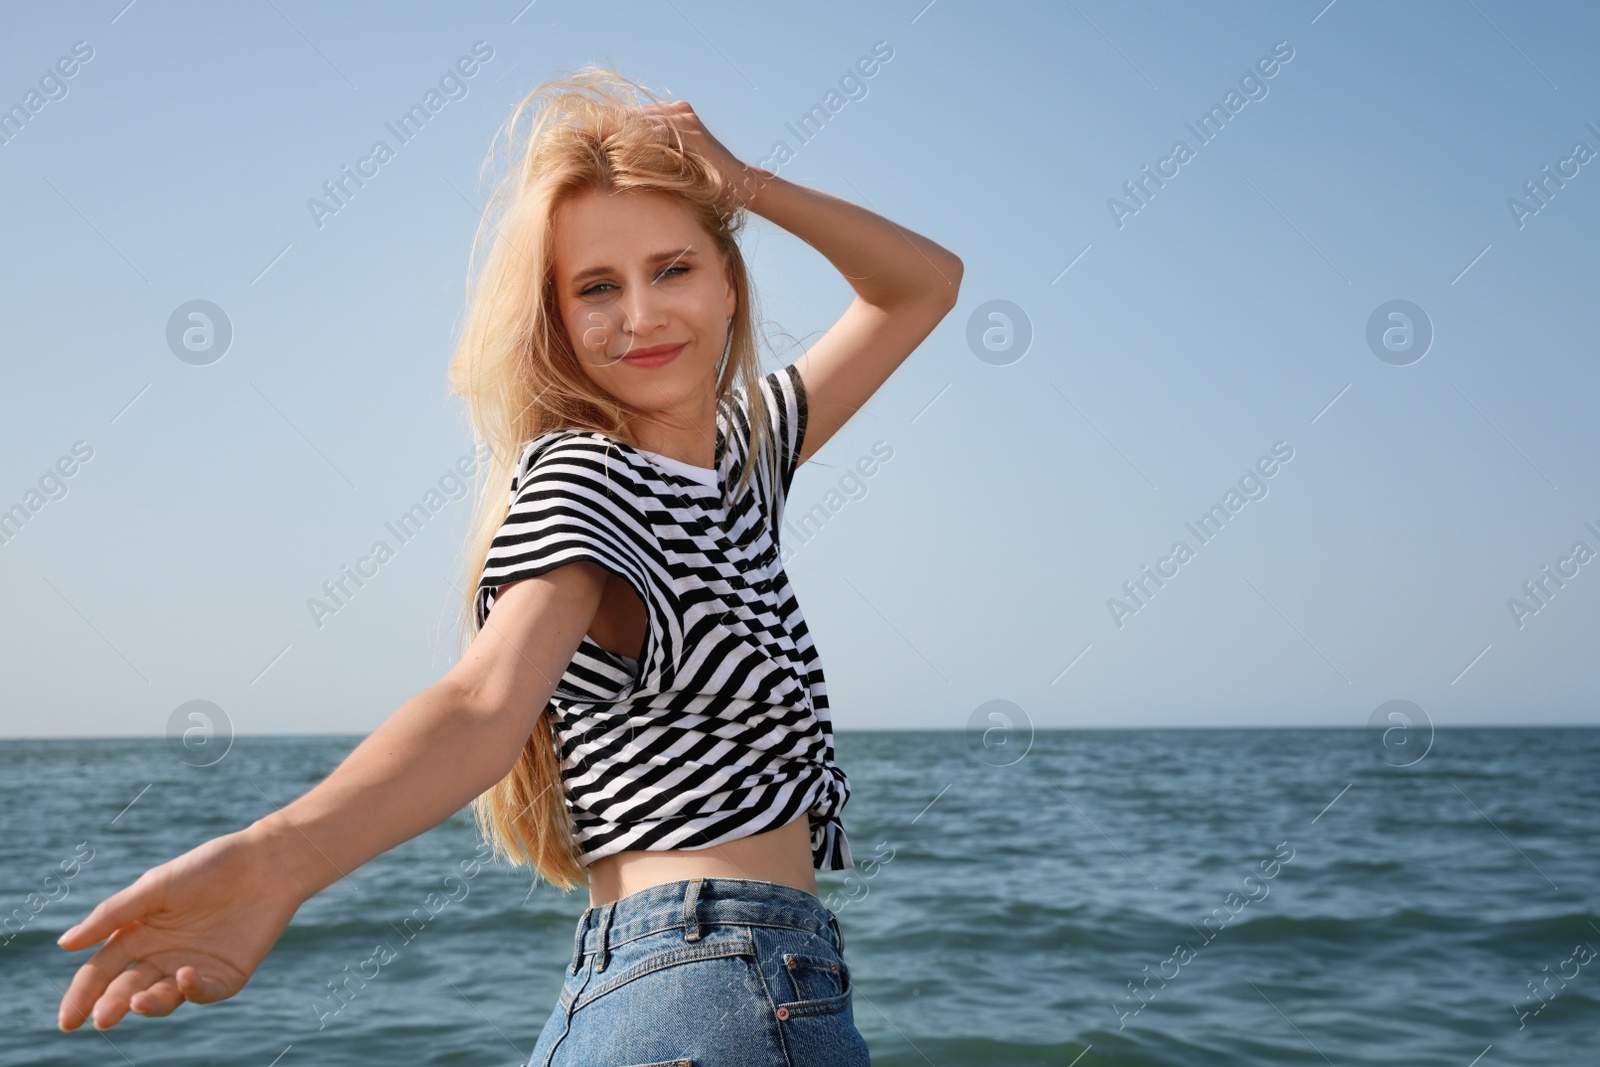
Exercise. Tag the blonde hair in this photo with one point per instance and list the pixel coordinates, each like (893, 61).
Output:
(519, 374)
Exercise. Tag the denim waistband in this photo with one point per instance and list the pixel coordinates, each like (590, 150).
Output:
(689, 904)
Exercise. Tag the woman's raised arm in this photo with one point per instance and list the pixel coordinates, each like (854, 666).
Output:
(196, 927)
(905, 284)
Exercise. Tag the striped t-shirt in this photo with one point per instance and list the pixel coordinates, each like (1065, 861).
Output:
(720, 728)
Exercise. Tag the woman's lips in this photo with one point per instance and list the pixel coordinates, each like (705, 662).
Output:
(654, 357)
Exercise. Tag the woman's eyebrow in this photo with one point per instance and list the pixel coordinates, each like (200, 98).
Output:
(659, 257)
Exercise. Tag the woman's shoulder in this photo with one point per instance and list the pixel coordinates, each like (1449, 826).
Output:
(579, 456)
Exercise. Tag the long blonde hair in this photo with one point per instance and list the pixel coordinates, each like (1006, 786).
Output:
(519, 374)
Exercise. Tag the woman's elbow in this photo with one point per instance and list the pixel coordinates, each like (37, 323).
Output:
(949, 287)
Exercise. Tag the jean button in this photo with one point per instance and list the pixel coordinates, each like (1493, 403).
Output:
(783, 1013)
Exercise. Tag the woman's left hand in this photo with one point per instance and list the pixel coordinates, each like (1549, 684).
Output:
(678, 116)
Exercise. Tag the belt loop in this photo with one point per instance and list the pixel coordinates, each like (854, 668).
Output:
(838, 931)
(691, 919)
(577, 941)
(605, 936)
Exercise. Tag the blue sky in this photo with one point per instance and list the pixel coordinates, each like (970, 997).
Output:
(1172, 343)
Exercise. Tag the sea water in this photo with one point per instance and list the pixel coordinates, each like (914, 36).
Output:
(1171, 897)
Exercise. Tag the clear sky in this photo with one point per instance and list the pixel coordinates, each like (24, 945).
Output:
(1117, 364)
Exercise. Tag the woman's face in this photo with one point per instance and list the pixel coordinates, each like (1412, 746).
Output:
(634, 272)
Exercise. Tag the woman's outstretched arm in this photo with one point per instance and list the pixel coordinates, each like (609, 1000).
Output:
(904, 283)
(196, 927)
(447, 744)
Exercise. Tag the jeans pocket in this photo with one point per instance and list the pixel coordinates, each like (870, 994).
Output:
(646, 958)
(819, 984)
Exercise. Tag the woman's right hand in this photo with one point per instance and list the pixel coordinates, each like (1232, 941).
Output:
(194, 928)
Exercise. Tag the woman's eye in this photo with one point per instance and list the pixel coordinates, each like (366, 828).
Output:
(607, 285)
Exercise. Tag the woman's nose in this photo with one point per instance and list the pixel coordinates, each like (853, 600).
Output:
(643, 308)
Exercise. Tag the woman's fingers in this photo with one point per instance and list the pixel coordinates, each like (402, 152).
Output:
(143, 987)
(673, 117)
(76, 1004)
(114, 1002)
(89, 985)
(86, 999)
(160, 999)
(194, 928)
(117, 910)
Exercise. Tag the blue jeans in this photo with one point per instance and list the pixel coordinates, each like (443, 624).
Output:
(705, 972)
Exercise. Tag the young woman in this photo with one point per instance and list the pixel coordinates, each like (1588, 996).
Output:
(641, 708)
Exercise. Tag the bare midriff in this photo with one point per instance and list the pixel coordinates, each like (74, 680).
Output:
(781, 855)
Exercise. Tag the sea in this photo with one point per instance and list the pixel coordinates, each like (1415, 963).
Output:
(1077, 898)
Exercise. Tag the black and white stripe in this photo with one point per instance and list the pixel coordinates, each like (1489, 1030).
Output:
(720, 728)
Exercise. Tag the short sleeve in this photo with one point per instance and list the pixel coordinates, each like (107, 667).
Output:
(785, 395)
(568, 502)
